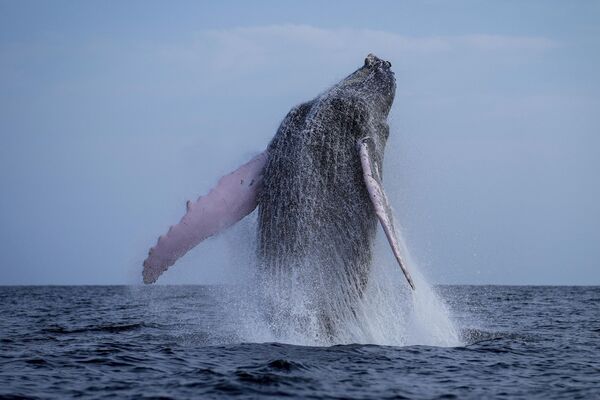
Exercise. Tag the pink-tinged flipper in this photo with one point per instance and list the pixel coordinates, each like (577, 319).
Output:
(372, 177)
(234, 197)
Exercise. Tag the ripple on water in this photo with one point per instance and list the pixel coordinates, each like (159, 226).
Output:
(547, 348)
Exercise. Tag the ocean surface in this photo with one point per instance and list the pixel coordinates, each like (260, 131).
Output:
(183, 342)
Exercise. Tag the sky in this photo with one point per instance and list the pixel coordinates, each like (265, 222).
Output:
(113, 114)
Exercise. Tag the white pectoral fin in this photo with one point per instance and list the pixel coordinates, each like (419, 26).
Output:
(234, 197)
(372, 178)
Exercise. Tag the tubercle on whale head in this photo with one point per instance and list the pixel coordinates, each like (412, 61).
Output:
(384, 80)
(374, 83)
(372, 60)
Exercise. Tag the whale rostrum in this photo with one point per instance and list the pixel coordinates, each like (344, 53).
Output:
(318, 188)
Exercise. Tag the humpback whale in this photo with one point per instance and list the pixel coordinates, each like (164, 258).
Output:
(318, 189)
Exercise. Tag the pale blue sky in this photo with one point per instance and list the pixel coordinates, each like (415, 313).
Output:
(112, 114)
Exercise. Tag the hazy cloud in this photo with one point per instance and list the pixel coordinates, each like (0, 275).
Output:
(252, 47)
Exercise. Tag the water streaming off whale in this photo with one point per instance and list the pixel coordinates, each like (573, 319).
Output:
(316, 277)
(387, 313)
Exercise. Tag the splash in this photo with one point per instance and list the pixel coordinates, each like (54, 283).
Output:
(320, 279)
(387, 313)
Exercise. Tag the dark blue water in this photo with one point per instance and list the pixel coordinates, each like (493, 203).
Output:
(175, 342)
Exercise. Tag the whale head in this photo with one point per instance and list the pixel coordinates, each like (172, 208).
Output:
(374, 83)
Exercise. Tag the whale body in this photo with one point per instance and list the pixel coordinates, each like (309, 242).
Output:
(319, 192)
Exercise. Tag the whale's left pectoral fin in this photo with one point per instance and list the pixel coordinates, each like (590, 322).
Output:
(372, 178)
(234, 197)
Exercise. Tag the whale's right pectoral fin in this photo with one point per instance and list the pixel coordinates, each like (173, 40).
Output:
(234, 197)
(372, 178)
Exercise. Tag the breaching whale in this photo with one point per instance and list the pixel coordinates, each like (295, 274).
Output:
(318, 189)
